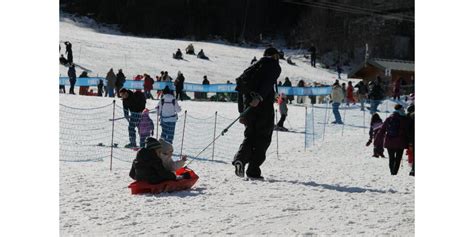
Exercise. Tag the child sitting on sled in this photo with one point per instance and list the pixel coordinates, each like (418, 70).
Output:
(153, 163)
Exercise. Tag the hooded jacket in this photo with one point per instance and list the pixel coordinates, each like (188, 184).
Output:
(400, 141)
(111, 79)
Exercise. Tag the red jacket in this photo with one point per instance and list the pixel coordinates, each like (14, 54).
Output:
(148, 84)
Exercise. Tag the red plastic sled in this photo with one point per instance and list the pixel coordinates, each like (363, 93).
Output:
(139, 187)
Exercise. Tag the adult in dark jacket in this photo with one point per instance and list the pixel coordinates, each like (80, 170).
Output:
(395, 134)
(120, 81)
(179, 85)
(71, 73)
(312, 50)
(69, 52)
(376, 94)
(205, 81)
(147, 166)
(259, 120)
(287, 83)
(133, 106)
(362, 91)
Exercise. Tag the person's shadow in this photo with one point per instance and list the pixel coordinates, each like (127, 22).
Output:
(345, 189)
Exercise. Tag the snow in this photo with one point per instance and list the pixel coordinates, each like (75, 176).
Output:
(333, 188)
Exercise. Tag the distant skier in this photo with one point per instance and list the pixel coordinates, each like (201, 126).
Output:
(337, 96)
(350, 94)
(289, 61)
(375, 125)
(133, 106)
(394, 133)
(168, 109)
(339, 71)
(201, 55)
(312, 50)
(253, 60)
(376, 94)
(148, 86)
(205, 81)
(119, 82)
(69, 52)
(72, 78)
(111, 79)
(190, 49)
(178, 54)
(179, 85)
(361, 93)
(287, 83)
(100, 88)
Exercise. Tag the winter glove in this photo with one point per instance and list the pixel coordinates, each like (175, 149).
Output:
(242, 120)
(369, 142)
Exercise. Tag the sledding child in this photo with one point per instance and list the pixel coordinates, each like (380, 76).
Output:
(168, 109)
(145, 127)
(149, 167)
(375, 125)
(282, 105)
(166, 154)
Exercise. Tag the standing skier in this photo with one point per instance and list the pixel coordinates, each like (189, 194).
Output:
(256, 90)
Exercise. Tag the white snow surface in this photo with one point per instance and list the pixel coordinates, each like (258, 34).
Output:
(99, 49)
(334, 188)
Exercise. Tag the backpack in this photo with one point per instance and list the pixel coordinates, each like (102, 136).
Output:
(393, 127)
(162, 107)
(247, 82)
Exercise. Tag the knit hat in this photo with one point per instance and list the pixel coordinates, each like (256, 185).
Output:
(398, 107)
(166, 90)
(270, 51)
(151, 143)
(165, 146)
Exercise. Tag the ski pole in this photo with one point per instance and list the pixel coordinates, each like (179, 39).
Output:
(221, 134)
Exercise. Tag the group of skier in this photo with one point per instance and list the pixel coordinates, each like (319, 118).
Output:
(190, 50)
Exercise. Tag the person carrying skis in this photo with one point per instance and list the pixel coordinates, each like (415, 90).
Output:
(149, 166)
(375, 125)
(394, 133)
(256, 92)
(168, 109)
(145, 127)
(133, 106)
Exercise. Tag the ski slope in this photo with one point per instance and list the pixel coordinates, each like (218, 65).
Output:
(100, 49)
(334, 188)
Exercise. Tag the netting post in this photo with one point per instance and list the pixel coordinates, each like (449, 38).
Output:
(214, 137)
(305, 128)
(184, 129)
(276, 121)
(312, 117)
(325, 117)
(157, 124)
(112, 142)
(363, 120)
(344, 122)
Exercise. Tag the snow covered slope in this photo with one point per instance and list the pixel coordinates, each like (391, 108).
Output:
(335, 188)
(100, 49)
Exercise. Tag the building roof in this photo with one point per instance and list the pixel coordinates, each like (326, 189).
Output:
(383, 64)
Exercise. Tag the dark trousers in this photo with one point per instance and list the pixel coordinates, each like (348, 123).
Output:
(134, 121)
(72, 82)
(282, 120)
(257, 138)
(395, 158)
(378, 150)
(179, 94)
(313, 60)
